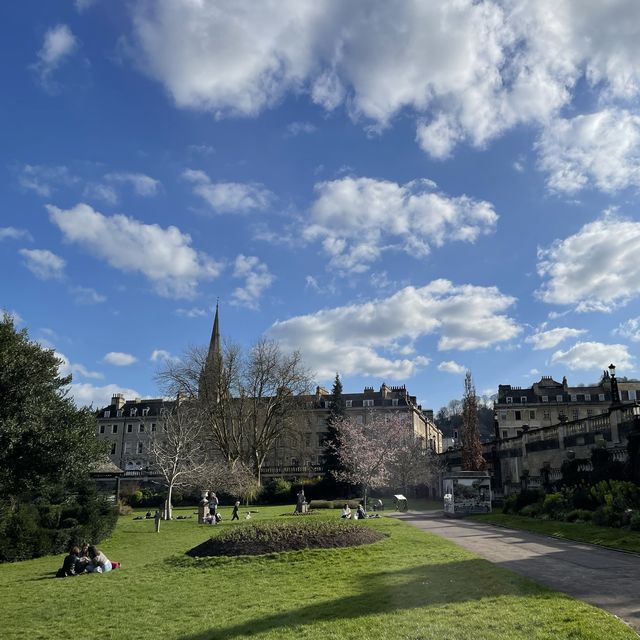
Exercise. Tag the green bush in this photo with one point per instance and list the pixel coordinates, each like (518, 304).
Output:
(332, 504)
(557, 505)
(531, 510)
(634, 521)
(516, 502)
(579, 515)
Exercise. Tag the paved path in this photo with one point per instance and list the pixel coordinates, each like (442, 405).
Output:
(604, 578)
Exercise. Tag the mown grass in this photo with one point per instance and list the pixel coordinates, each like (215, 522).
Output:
(619, 539)
(411, 584)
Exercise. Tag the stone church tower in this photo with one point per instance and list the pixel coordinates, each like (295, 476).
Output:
(209, 385)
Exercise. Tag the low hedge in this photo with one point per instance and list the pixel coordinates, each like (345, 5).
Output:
(333, 504)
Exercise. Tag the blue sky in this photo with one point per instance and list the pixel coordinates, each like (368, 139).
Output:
(401, 190)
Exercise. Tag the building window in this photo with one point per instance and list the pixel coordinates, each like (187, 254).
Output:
(509, 399)
(113, 448)
(518, 415)
(575, 414)
(545, 398)
(107, 414)
(119, 413)
(348, 404)
(545, 414)
(532, 415)
(632, 394)
(523, 399)
(134, 412)
(127, 447)
(141, 428)
(505, 434)
(145, 411)
(360, 419)
(101, 428)
(601, 397)
(153, 427)
(114, 429)
(139, 447)
(394, 402)
(503, 416)
(558, 398)
(587, 397)
(367, 403)
(589, 412)
(129, 428)
(574, 398)
(327, 404)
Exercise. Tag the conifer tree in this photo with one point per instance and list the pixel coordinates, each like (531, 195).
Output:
(472, 459)
(337, 413)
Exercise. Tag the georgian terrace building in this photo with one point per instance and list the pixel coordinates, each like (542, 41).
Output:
(549, 402)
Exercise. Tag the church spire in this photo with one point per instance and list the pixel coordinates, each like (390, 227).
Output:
(210, 376)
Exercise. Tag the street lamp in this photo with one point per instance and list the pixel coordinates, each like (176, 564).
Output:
(615, 394)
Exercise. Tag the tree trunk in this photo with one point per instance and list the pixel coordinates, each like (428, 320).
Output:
(168, 507)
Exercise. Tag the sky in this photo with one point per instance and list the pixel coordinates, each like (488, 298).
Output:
(402, 190)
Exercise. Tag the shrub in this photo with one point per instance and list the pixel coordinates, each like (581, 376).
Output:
(531, 510)
(556, 505)
(579, 515)
(269, 537)
(277, 491)
(634, 521)
(516, 502)
(332, 504)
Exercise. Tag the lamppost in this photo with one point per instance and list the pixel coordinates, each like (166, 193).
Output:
(615, 394)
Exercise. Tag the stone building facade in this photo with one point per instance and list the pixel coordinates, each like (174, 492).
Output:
(549, 402)
(131, 425)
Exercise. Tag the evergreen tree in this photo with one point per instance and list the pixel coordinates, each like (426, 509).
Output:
(337, 413)
(472, 459)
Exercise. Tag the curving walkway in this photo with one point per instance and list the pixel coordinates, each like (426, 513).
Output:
(602, 577)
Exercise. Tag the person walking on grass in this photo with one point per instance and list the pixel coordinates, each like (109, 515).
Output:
(234, 514)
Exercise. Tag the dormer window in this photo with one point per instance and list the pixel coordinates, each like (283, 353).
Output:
(119, 413)
(509, 400)
(545, 398)
(558, 398)
(348, 404)
(145, 411)
(107, 414)
(394, 402)
(523, 399)
(367, 403)
(574, 398)
(587, 397)
(133, 412)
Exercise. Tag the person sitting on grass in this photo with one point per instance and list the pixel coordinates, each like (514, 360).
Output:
(361, 514)
(69, 564)
(99, 562)
(83, 558)
(346, 512)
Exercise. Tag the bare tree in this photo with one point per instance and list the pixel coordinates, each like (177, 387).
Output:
(254, 398)
(177, 452)
(472, 458)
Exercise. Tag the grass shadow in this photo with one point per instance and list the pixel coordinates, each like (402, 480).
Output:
(389, 591)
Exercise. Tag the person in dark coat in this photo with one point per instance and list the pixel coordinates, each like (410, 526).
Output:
(68, 568)
(234, 514)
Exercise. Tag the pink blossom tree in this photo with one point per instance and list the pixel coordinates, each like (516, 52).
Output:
(367, 451)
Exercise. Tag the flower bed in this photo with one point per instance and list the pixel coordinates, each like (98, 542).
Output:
(270, 537)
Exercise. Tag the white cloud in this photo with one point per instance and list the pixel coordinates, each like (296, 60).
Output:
(119, 359)
(59, 43)
(450, 366)
(596, 269)
(534, 372)
(159, 355)
(552, 337)
(257, 278)
(45, 179)
(67, 368)
(14, 233)
(229, 197)
(194, 312)
(142, 184)
(356, 219)
(103, 192)
(163, 255)
(488, 66)
(629, 329)
(86, 394)
(43, 263)
(298, 128)
(87, 295)
(357, 339)
(601, 148)
(594, 356)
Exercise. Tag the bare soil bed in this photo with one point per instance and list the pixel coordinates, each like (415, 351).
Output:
(270, 537)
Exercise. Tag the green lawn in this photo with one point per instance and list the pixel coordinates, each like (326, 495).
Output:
(579, 531)
(409, 585)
